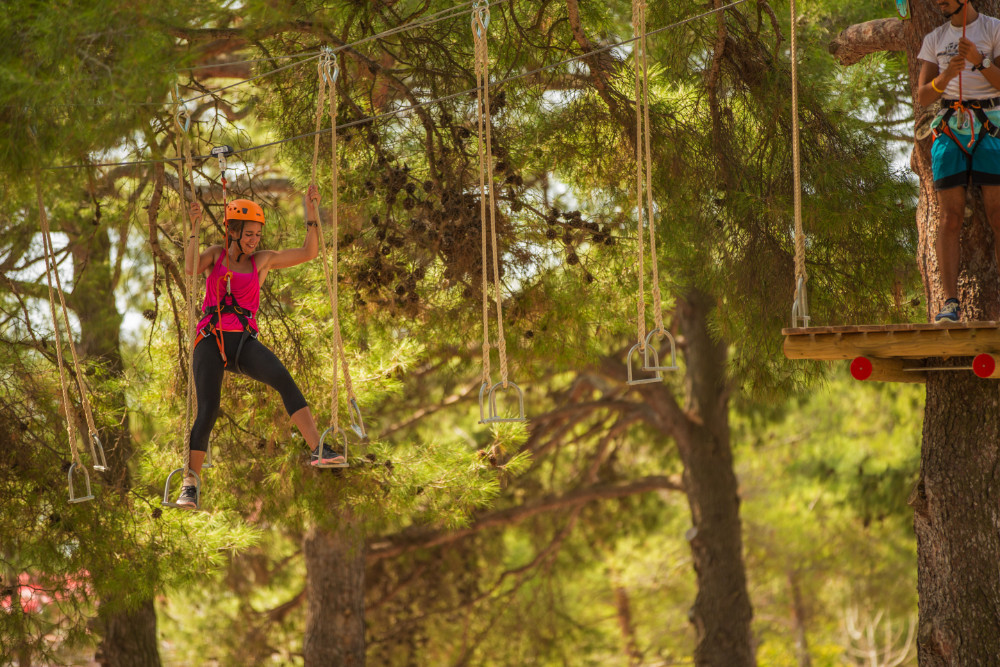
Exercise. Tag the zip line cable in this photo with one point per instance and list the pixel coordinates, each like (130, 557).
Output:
(437, 17)
(418, 105)
(245, 62)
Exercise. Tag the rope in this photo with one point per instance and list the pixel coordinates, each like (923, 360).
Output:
(189, 403)
(50, 268)
(328, 73)
(419, 105)
(638, 9)
(77, 368)
(657, 301)
(487, 380)
(800, 242)
(644, 182)
(480, 23)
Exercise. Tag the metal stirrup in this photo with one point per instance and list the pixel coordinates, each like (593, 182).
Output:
(646, 366)
(318, 456)
(86, 478)
(357, 421)
(483, 395)
(197, 491)
(100, 463)
(657, 377)
(494, 417)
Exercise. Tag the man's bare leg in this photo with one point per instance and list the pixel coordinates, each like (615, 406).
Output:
(952, 206)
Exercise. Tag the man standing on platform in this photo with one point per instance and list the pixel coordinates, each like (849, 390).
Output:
(957, 68)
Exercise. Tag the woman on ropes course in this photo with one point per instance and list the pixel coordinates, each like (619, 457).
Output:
(227, 334)
(958, 68)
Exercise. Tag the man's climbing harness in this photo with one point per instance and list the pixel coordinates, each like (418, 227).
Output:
(488, 390)
(800, 303)
(192, 321)
(969, 112)
(96, 450)
(329, 71)
(643, 186)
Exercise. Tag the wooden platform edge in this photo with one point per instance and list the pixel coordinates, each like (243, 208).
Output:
(893, 341)
(879, 328)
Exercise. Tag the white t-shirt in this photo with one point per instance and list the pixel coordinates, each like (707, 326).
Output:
(941, 44)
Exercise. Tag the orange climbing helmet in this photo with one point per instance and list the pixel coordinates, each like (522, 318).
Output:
(244, 210)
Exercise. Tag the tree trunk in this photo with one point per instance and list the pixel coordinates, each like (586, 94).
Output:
(957, 500)
(335, 590)
(721, 613)
(799, 621)
(128, 637)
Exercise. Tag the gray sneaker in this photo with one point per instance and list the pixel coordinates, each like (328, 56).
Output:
(188, 498)
(948, 314)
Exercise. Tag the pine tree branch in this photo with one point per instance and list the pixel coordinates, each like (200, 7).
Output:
(411, 539)
(602, 65)
(465, 393)
(862, 39)
(169, 265)
(30, 289)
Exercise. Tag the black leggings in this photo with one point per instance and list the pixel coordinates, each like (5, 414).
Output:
(256, 361)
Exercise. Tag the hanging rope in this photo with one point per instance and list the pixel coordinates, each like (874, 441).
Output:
(480, 23)
(328, 74)
(50, 268)
(98, 462)
(800, 305)
(644, 181)
(487, 380)
(191, 233)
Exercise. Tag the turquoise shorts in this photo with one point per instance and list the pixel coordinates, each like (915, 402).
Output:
(960, 161)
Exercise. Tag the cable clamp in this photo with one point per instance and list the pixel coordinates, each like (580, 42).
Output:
(328, 65)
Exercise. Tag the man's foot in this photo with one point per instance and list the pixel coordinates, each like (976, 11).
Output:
(330, 459)
(949, 313)
(189, 497)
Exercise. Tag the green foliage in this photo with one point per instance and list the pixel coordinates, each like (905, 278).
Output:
(822, 476)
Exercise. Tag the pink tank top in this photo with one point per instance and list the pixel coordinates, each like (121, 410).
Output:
(245, 288)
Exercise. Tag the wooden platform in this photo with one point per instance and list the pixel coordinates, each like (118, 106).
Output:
(892, 341)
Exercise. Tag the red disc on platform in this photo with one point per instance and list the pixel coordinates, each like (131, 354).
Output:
(861, 368)
(984, 365)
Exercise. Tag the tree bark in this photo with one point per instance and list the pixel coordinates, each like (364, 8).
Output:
(956, 513)
(335, 590)
(956, 501)
(722, 613)
(128, 637)
(799, 621)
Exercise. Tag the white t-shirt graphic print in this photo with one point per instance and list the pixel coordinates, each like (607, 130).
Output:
(941, 44)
